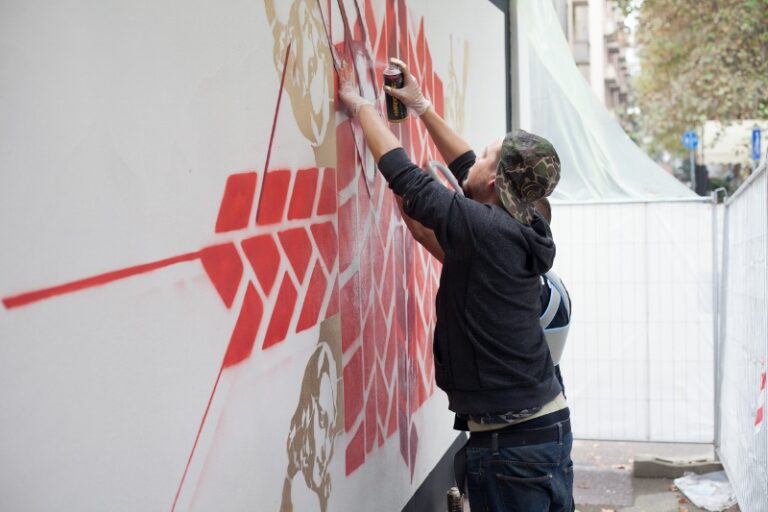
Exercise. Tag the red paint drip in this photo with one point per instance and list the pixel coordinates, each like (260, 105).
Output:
(274, 123)
(197, 439)
(98, 280)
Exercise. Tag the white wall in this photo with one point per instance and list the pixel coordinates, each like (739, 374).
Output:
(122, 123)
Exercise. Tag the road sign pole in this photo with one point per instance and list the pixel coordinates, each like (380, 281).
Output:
(693, 171)
(690, 141)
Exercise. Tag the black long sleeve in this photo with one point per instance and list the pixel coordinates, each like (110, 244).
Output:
(489, 349)
(460, 166)
(455, 219)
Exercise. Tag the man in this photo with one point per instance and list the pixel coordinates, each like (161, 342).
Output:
(489, 350)
(555, 317)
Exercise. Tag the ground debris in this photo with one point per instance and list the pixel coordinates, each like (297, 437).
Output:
(711, 491)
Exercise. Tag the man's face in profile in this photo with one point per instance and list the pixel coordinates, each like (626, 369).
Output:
(309, 80)
(309, 77)
(324, 426)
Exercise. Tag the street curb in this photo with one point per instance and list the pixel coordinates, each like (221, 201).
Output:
(649, 466)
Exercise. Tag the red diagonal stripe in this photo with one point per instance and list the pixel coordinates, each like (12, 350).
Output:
(89, 282)
(274, 121)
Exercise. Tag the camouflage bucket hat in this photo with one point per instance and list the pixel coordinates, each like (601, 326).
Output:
(528, 170)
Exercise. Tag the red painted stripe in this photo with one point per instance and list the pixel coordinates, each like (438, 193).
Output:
(89, 282)
(328, 35)
(197, 439)
(274, 126)
(261, 192)
(361, 22)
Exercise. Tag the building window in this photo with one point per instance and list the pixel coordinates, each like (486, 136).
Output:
(580, 23)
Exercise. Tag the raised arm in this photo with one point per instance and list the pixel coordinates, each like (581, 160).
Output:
(437, 216)
(425, 236)
(378, 137)
(449, 143)
(381, 140)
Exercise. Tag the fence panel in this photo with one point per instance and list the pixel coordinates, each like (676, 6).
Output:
(742, 440)
(639, 361)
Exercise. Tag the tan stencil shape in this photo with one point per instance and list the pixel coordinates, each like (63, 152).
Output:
(317, 421)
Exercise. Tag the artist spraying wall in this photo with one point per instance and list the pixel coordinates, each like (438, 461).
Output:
(209, 299)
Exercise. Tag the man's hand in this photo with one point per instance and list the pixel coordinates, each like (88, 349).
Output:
(378, 137)
(349, 94)
(410, 94)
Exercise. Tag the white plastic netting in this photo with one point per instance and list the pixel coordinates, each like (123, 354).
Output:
(599, 160)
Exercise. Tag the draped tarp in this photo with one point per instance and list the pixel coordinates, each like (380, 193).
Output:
(599, 160)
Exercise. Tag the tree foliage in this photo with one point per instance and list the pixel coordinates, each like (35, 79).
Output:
(700, 60)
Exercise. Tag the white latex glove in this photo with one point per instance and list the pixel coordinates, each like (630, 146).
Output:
(349, 94)
(410, 94)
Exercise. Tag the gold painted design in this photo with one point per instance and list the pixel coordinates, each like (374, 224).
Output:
(456, 94)
(309, 78)
(317, 421)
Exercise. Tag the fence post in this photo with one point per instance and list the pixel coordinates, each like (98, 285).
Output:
(765, 341)
(716, 310)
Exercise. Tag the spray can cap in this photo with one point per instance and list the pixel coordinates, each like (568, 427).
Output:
(391, 69)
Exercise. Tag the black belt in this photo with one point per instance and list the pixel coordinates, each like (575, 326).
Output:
(513, 435)
(520, 437)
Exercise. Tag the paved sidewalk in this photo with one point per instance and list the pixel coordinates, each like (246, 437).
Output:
(603, 479)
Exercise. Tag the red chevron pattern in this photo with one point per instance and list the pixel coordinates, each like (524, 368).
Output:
(306, 244)
(346, 249)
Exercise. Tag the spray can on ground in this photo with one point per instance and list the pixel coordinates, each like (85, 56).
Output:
(396, 111)
(454, 500)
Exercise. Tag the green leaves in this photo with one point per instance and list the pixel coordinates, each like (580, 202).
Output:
(700, 60)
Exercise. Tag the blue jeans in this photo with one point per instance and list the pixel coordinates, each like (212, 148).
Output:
(528, 478)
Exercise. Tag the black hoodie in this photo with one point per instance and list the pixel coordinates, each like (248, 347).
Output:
(490, 352)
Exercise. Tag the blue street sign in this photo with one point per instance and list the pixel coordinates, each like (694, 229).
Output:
(756, 135)
(690, 140)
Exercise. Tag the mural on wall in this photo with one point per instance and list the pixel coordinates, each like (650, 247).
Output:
(456, 93)
(315, 425)
(310, 81)
(319, 275)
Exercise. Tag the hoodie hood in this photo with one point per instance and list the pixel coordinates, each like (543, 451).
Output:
(541, 246)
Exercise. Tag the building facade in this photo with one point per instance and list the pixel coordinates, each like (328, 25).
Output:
(599, 42)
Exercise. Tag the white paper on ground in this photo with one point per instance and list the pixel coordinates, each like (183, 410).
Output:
(711, 491)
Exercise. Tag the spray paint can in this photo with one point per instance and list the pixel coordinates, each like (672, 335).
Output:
(396, 111)
(454, 500)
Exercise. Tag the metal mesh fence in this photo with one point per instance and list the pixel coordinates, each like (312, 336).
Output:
(742, 438)
(655, 353)
(639, 361)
